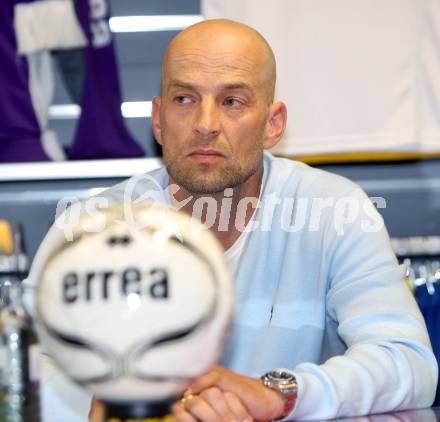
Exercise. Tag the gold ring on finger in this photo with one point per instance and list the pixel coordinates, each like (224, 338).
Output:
(186, 399)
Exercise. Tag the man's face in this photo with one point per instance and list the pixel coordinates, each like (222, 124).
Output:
(212, 116)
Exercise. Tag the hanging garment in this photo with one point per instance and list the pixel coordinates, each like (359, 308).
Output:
(356, 76)
(100, 132)
(19, 128)
(429, 303)
(44, 25)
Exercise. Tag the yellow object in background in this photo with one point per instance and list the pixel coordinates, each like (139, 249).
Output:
(364, 157)
(410, 283)
(6, 238)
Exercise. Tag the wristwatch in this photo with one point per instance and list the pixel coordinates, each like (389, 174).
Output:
(284, 383)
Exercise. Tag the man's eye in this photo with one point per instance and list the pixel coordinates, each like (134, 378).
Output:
(182, 99)
(233, 102)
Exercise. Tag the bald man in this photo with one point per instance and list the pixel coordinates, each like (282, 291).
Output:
(219, 145)
(318, 289)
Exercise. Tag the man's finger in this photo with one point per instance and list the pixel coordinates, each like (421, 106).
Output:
(207, 380)
(237, 407)
(96, 412)
(215, 398)
(180, 414)
(199, 409)
(226, 380)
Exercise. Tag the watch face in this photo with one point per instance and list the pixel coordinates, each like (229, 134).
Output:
(278, 375)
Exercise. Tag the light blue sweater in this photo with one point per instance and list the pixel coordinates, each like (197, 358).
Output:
(326, 299)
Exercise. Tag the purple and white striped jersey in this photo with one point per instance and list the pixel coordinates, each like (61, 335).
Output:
(31, 28)
(19, 128)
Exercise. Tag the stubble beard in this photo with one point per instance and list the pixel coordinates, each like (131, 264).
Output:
(210, 183)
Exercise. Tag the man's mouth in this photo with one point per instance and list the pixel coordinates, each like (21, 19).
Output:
(205, 155)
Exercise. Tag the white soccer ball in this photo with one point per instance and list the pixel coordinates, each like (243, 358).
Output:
(136, 310)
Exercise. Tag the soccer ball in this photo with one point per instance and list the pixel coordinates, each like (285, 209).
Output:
(136, 310)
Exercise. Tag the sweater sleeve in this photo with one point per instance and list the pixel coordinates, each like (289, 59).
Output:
(388, 364)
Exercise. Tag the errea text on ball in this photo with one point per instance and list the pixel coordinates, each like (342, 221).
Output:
(81, 286)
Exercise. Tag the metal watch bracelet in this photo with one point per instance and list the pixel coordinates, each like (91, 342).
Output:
(284, 383)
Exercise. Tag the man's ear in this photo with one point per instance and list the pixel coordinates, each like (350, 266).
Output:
(275, 125)
(155, 119)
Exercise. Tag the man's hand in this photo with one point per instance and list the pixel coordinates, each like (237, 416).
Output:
(222, 395)
(96, 412)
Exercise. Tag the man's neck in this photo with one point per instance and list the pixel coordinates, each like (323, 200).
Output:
(225, 213)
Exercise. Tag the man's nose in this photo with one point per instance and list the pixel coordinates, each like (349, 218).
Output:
(207, 123)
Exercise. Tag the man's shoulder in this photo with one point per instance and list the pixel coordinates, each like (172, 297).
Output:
(150, 185)
(294, 177)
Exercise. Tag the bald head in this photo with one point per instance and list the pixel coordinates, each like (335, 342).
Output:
(222, 44)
